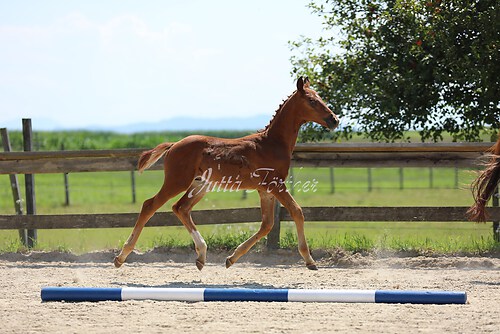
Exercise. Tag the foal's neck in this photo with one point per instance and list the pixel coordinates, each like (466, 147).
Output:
(285, 126)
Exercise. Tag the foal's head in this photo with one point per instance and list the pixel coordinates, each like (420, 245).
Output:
(313, 108)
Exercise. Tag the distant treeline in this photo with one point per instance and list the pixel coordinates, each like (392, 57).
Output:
(101, 140)
(93, 140)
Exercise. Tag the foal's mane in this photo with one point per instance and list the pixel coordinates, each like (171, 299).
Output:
(276, 113)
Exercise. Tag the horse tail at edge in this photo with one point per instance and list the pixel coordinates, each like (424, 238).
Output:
(484, 185)
(148, 158)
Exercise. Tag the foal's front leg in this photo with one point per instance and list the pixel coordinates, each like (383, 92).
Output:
(267, 208)
(296, 212)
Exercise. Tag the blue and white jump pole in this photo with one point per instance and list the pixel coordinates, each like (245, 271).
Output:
(73, 294)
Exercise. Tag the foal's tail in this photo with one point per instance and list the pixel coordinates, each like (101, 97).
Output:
(148, 158)
(485, 184)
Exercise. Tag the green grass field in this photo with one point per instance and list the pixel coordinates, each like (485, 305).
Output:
(111, 193)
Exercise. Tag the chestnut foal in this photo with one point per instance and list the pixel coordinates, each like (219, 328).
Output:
(259, 161)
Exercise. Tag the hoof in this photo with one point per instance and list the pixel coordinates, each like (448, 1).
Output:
(199, 265)
(117, 262)
(312, 266)
(228, 263)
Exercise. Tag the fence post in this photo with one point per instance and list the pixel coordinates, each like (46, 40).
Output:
(29, 181)
(401, 178)
(332, 181)
(273, 238)
(66, 189)
(66, 184)
(496, 225)
(132, 178)
(14, 184)
(370, 185)
(431, 178)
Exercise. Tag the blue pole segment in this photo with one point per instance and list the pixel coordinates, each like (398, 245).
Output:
(81, 294)
(420, 297)
(250, 295)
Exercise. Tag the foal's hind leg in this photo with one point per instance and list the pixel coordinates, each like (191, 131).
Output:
(182, 210)
(267, 208)
(148, 210)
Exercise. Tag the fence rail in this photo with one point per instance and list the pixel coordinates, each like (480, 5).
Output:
(305, 155)
(317, 155)
(242, 215)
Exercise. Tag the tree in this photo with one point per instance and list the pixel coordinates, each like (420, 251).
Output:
(399, 65)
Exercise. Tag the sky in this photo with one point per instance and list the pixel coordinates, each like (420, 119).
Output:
(77, 64)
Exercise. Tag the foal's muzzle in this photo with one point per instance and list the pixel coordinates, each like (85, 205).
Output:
(332, 122)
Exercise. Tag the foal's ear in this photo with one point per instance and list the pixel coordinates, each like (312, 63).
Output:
(307, 83)
(302, 83)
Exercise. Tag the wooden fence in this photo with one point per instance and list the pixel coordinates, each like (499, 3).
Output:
(464, 155)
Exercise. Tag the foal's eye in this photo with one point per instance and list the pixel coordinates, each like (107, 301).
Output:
(312, 102)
